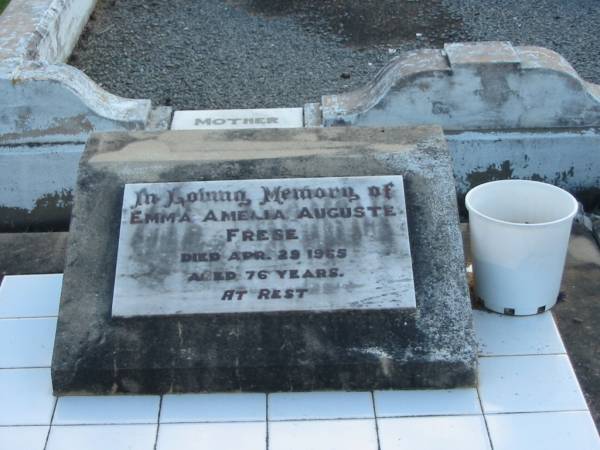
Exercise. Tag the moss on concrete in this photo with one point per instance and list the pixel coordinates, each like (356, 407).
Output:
(3, 4)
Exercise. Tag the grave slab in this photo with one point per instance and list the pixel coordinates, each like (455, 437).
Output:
(294, 349)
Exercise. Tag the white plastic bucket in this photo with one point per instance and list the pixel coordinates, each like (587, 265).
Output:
(519, 238)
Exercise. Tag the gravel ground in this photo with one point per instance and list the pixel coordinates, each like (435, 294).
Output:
(207, 54)
(203, 54)
(570, 27)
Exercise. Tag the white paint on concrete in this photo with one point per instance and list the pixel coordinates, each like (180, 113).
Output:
(472, 86)
(45, 30)
(58, 103)
(44, 100)
(224, 119)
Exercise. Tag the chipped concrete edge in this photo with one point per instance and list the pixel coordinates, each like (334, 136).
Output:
(47, 100)
(44, 30)
(457, 87)
(312, 115)
(344, 108)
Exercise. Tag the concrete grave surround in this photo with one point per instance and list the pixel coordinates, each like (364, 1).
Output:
(299, 351)
(232, 119)
(471, 86)
(568, 158)
(45, 99)
(48, 110)
(508, 111)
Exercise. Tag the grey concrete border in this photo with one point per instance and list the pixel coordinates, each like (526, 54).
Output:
(507, 112)
(566, 157)
(48, 110)
(471, 86)
(45, 99)
(44, 30)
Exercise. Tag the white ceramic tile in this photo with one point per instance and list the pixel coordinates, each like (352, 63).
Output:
(25, 397)
(320, 405)
(223, 119)
(353, 434)
(23, 438)
(213, 436)
(427, 402)
(529, 384)
(30, 295)
(543, 431)
(26, 342)
(119, 409)
(498, 334)
(102, 437)
(213, 408)
(434, 433)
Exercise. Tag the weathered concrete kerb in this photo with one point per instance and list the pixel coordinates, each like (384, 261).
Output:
(507, 112)
(48, 110)
(471, 86)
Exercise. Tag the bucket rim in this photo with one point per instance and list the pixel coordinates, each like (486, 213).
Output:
(574, 209)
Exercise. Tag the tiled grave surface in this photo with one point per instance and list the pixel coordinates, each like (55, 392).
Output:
(434, 433)
(213, 408)
(528, 398)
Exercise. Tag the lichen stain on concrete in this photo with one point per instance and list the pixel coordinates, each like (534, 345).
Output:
(15, 81)
(589, 197)
(23, 118)
(496, 90)
(560, 177)
(492, 173)
(538, 177)
(564, 175)
(75, 125)
(51, 212)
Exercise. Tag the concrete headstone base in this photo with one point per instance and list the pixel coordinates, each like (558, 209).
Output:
(95, 353)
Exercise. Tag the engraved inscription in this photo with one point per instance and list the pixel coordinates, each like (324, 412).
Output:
(235, 121)
(238, 119)
(263, 245)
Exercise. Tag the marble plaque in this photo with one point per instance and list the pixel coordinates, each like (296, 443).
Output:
(251, 246)
(224, 119)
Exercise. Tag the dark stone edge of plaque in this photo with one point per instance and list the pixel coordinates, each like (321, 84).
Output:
(350, 377)
(94, 355)
(408, 313)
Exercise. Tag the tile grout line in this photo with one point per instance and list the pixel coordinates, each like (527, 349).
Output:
(158, 422)
(545, 411)
(51, 421)
(487, 428)
(267, 421)
(416, 416)
(375, 419)
(91, 424)
(521, 354)
(28, 317)
(25, 367)
(347, 419)
(183, 422)
(46, 316)
(312, 419)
